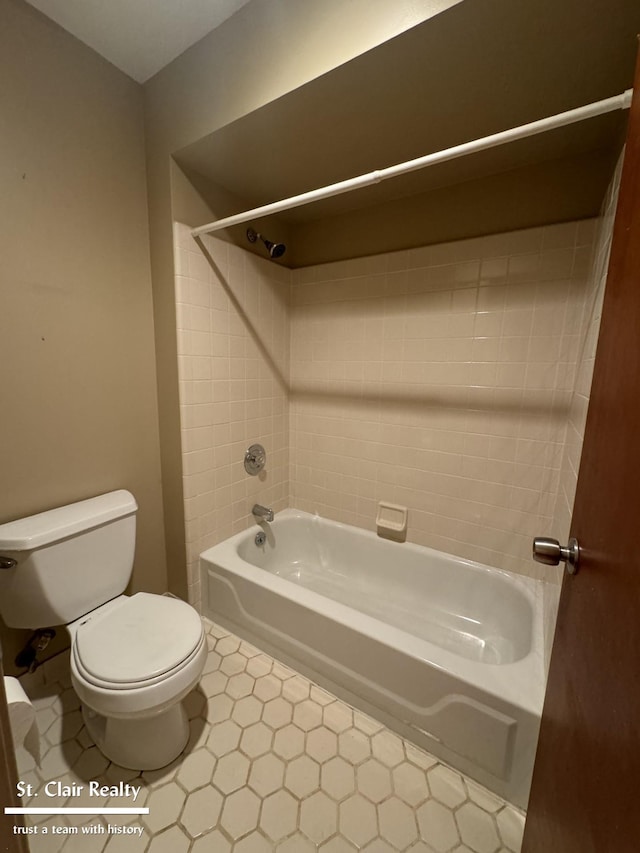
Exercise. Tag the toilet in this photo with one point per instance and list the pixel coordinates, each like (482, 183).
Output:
(133, 658)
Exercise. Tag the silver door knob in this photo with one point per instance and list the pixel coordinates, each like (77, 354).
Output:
(551, 552)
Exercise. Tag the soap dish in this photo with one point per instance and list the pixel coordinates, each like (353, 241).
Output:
(391, 521)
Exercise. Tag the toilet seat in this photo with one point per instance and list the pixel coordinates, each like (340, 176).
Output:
(164, 661)
(143, 640)
(134, 685)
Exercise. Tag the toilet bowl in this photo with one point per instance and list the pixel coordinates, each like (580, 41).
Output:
(133, 658)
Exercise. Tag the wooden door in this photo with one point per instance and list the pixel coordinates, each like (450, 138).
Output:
(585, 796)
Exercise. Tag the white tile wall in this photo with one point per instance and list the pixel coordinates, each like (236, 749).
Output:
(233, 351)
(590, 326)
(440, 378)
(589, 329)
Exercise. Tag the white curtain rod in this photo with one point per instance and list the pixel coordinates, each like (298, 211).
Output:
(618, 102)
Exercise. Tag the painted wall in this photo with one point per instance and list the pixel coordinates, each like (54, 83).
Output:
(80, 332)
(78, 383)
(250, 60)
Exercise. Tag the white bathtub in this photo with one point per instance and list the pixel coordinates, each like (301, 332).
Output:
(445, 651)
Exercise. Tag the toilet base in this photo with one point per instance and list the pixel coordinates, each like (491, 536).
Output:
(140, 743)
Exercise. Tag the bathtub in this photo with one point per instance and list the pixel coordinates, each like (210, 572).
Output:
(445, 651)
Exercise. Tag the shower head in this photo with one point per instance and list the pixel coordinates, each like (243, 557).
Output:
(276, 250)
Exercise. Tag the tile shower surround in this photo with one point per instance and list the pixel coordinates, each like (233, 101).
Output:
(582, 389)
(233, 362)
(440, 378)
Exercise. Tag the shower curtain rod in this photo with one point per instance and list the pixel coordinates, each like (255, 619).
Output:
(617, 102)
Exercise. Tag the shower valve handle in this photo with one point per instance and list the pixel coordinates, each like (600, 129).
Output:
(551, 552)
(255, 459)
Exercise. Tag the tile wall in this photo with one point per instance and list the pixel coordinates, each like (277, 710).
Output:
(233, 351)
(441, 378)
(586, 357)
(577, 415)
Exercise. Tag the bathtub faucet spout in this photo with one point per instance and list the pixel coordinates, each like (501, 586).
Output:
(262, 512)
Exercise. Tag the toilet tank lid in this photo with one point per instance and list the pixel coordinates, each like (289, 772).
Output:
(25, 534)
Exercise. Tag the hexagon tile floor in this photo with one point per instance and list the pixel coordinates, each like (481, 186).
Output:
(274, 763)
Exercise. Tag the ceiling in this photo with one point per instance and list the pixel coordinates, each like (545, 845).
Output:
(478, 68)
(139, 36)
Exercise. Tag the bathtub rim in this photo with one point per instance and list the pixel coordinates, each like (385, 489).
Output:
(521, 683)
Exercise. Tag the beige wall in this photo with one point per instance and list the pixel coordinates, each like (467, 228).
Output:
(439, 379)
(253, 58)
(77, 382)
(81, 409)
(233, 356)
(560, 190)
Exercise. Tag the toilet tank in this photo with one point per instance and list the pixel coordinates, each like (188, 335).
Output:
(69, 560)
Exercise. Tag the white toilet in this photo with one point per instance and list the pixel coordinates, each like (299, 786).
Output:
(133, 658)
